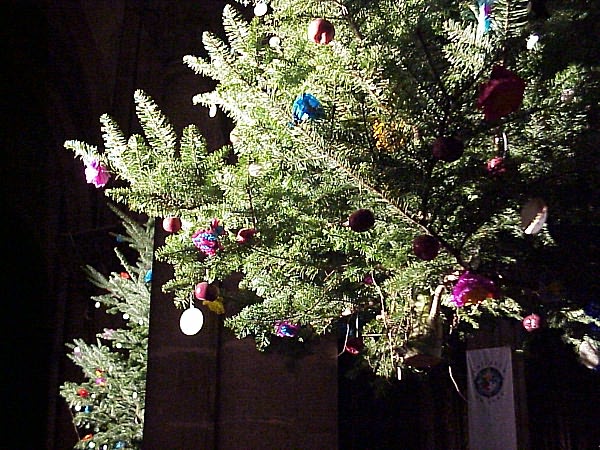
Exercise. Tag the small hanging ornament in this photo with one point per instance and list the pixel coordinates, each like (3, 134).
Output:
(589, 354)
(471, 289)
(124, 275)
(207, 240)
(532, 41)
(484, 16)
(286, 329)
(501, 95)
(532, 322)
(83, 392)
(361, 220)
(496, 166)
(96, 173)
(534, 215)
(245, 235)
(448, 149)
(260, 9)
(191, 321)
(148, 276)
(87, 437)
(321, 31)
(100, 381)
(206, 291)
(171, 224)
(274, 41)
(426, 247)
(305, 107)
(354, 345)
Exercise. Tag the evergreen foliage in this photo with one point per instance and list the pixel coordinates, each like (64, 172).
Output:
(108, 407)
(397, 77)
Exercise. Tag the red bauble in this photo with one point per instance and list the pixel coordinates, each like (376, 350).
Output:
(171, 224)
(426, 247)
(321, 31)
(206, 291)
(245, 235)
(448, 149)
(82, 392)
(532, 322)
(361, 220)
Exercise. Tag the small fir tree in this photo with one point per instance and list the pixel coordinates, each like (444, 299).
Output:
(410, 169)
(108, 407)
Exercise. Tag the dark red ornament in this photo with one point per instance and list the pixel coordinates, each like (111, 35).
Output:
(321, 31)
(206, 291)
(171, 224)
(426, 247)
(448, 149)
(496, 166)
(532, 322)
(501, 95)
(361, 220)
(245, 235)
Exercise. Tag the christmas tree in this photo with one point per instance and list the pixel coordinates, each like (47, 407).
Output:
(108, 407)
(402, 171)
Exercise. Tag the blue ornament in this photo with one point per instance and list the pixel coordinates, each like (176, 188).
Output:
(148, 276)
(120, 238)
(120, 444)
(307, 106)
(88, 408)
(592, 309)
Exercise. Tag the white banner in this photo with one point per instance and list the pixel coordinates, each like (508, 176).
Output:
(492, 423)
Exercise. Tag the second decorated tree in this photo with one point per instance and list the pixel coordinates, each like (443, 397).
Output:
(406, 169)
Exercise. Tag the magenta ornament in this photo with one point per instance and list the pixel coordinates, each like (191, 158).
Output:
(471, 289)
(96, 173)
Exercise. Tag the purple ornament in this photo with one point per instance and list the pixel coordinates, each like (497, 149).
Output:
(207, 241)
(96, 173)
(471, 289)
(286, 329)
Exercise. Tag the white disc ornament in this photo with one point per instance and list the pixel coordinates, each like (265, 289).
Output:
(534, 215)
(191, 321)
(212, 111)
(260, 9)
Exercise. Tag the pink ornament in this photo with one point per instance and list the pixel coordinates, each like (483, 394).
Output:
(321, 31)
(496, 166)
(171, 224)
(96, 173)
(206, 291)
(532, 322)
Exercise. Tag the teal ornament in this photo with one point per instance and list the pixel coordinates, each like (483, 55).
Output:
(305, 107)
(484, 17)
(120, 238)
(120, 444)
(148, 276)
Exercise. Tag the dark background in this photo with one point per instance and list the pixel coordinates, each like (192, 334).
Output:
(65, 64)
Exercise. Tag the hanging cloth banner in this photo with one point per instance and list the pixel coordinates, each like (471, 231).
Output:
(492, 424)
